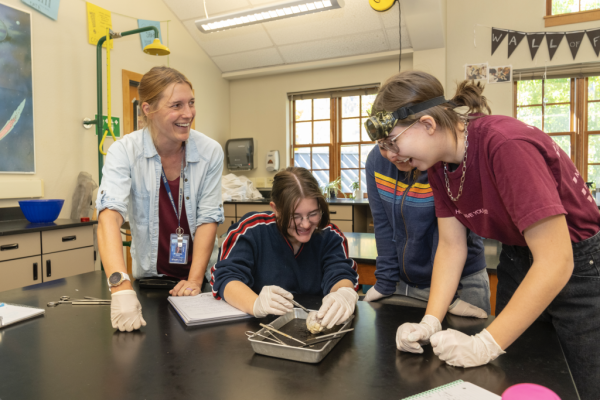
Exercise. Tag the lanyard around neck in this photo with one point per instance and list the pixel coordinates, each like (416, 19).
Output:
(168, 189)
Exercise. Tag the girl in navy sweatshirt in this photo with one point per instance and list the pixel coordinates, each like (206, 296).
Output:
(267, 257)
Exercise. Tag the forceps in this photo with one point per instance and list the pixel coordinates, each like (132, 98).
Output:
(251, 334)
(87, 300)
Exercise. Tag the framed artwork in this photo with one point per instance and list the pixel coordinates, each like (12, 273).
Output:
(476, 71)
(17, 144)
(500, 74)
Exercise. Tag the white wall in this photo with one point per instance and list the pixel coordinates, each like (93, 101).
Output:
(520, 15)
(260, 108)
(64, 84)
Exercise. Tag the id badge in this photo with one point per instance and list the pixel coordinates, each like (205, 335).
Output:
(178, 249)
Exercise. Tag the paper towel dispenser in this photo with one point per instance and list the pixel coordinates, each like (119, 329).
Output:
(240, 154)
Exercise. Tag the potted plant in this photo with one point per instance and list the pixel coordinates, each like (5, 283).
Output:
(331, 190)
(356, 192)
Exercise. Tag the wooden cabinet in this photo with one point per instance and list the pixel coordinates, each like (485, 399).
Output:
(21, 272)
(348, 217)
(30, 258)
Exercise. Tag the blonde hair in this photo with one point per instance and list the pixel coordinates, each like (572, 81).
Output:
(412, 87)
(152, 87)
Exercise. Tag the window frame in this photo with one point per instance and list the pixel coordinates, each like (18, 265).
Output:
(359, 144)
(312, 133)
(569, 18)
(572, 120)
(336, 143)
(579, 122)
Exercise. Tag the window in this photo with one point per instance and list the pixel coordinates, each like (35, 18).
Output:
(313, 137)
(356, 144)
(329, 138)
(546, 104)
(568, 109)
(563, 12)
(592, 133)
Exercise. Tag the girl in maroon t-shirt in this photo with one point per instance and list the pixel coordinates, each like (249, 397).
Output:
(508, 181)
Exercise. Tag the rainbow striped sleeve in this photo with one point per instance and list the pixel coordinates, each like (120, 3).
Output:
(419, 194)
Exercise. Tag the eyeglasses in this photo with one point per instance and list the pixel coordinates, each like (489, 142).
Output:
(390, 144)
(314, 218)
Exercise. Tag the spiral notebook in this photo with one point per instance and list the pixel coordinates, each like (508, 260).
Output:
(457, 390)
(205, 309)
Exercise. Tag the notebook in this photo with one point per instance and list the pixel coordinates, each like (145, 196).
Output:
(457, 390)
(13, 313)
(205, 309)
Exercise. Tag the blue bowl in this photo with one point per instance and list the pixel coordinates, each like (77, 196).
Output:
(43, 210)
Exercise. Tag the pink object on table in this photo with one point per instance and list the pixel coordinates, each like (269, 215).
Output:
(529, 391)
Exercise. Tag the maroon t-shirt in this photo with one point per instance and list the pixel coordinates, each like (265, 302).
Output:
(167, 224)
(516, 175)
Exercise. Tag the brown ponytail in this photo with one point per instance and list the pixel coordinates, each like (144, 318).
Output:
(470, 94)
(290, 186)
(412, 87)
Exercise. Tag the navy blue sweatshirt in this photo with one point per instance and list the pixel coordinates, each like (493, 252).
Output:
(257, 254)
(406, 229)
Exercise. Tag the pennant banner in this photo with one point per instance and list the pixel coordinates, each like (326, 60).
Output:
(595, 40)
(498, 36)
(574, 41)
(514, 38)
(534, 40)
(553, 40)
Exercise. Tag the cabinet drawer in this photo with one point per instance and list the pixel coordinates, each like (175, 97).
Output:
(340, 212)
(229, 210)
(67, 263)
(67, 239)
(22, 272)
(19, 246)
(243, 209)
(222, 229)
(345, 226)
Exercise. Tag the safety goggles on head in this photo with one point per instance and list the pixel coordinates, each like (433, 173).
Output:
(381, 124)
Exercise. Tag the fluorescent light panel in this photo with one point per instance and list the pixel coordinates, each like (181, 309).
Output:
(267, 13)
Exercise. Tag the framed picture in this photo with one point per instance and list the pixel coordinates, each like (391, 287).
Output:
(17, 144)
(500, 74)
(476, 71)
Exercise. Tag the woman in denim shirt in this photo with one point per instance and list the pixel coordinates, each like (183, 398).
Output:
(134, 184)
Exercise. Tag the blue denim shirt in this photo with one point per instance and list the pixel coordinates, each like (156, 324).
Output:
(131, 184)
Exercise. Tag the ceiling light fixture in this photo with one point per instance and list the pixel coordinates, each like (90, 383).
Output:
(267, 13)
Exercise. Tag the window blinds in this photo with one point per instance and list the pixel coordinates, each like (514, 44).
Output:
(371, 88)
(579, 70)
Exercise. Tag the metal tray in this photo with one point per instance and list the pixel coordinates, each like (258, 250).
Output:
(294, 324)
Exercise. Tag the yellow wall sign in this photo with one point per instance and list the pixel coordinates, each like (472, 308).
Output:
(98, 20)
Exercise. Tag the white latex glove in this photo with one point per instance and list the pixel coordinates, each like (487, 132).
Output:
(337, 307)
(464, 309)
(461, 350)
(126, 311)
(410, 336)
(272, 300)
(374, 295)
